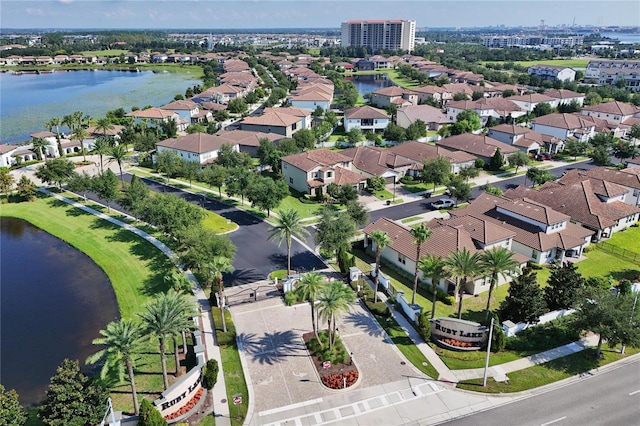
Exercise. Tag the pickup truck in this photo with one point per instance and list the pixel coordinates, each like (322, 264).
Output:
(443, 203)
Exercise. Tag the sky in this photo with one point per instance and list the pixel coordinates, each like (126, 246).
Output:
(245, 14)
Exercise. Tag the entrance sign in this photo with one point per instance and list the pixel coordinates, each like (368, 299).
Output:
(237, 399)
(457, 334)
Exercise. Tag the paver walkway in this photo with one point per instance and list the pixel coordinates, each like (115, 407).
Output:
(212, 350)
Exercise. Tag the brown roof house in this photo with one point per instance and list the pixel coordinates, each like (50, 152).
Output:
(383, 98)
(498, 108)
(479, 145)
(366, 118)
(434, 118)
(156, 116)
(540, 233)
(200, 147)
(247, 141)
(563, 126)
(627, 178)
(310, 172)
(273, 121)
(447, 237)
(596, 205)
(523, 138)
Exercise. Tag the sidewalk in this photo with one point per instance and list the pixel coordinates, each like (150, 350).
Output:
(212, 350)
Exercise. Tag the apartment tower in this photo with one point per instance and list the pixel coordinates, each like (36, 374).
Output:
(379, 34)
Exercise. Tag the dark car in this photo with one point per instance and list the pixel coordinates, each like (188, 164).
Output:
(543, 156)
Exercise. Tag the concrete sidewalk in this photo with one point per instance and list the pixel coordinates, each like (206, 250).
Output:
(212, 350)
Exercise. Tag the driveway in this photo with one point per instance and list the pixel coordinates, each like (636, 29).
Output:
(279, 368)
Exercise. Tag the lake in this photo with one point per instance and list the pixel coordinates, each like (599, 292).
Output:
(55, 300)
(623, 37)
(28, 101)
(370, 82)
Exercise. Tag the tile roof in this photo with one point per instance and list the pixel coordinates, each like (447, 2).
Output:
(426, 113)
(371, 160)
(563, 94)
(347, 177)
(180, 105)
(532, 98)
(613, 107)
(534, 211)
(480, 145)
(481, 230)
(392, 91)
(443, 241)
(45, 134)
(365, 112)
(153, 113)
(198, 143)
(564, 121)
(271, 118)
(5, 147)
(625, 177)
(418, 152)
(245, 137)
(294, 111)
(309, 160)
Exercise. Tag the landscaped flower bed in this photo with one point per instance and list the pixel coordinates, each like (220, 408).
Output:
(184, 410)
(333, 374)
(336, 381)
(458, 345)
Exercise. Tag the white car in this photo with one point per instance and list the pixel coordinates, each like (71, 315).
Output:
(443, 203)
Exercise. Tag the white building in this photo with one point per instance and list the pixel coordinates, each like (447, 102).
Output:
(378, 34)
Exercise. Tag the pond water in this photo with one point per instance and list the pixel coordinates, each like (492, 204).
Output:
(28, 101)
(370, 82)
(54, 302)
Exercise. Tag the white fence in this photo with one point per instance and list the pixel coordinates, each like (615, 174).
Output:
(510, 329)
(384, 280)
(411, 311)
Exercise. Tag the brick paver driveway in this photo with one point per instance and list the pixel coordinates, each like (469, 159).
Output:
(270, 334)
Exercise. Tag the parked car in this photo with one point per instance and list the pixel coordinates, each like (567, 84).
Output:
(443, 203)
(543, 156)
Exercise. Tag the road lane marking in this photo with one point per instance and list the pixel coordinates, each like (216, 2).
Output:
(634, 392)
(553, 421)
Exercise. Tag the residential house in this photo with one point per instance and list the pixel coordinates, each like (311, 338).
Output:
(221, 94)
(530, 101)
(523, 138)
(498, 108)
(247, 141)
(434, 118)
(564, 96)
(383, 98)
(594, 204)
(563, 126)
(51, 150)
(552, 72)
(618, 115)
(310, 172)
(236, 65)
(186, 109)
(430, 93)
(609, 72)
(303, 114)
(381, 62)
(364, 65)
(311, 96)
(541, 233)
(627, 178)
(7, 154)
(273, 121)
(366, 118)
(157, 116)
(200, 147)
(481, 146)
(372, 161)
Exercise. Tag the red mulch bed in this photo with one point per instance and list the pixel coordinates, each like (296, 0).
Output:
(333, 377)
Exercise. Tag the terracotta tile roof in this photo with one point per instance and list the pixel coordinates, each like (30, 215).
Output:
(564, 121)
(180, 105)
(365, 112)
(153, 113)
(480, 145)
(614, 107)
(563, 94)
(418, 152)
(600, 187)
(4, 148)
(481, 229)
(309, 160)
(426, 113)
(213, 106)
(534, 211)
(45, 134)
(392, 91)
(347, 177)
(198, 143)
(625, 177)
(429, 89)
(294, 111)
(532, 98)
(312, 95)
(443, 241)
(272, 118)
(510, 129)
(371, 160)
(245, 137)
(454, 88)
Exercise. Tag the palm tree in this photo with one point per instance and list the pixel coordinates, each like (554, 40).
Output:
(166, 316)
(122, 340)
(382, 240)
(55, 123)
(69, 121)
(307, 289)
(38, 146)
(462, 265)
(118, 154)
(80, 134)
(333, 300)
(101, 147)
(104, 125)
(216, 267)
(434, 267)
(288, 225)
(420, 234)
(495, 262)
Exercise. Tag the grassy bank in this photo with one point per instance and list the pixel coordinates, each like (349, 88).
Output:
(194, 71)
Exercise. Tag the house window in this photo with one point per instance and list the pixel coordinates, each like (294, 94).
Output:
(402, 259)
(534, 254)
(291, 180)
(329, 174)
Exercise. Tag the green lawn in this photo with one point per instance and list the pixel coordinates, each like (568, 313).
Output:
(383, 194)
(217, 223)
(411, 219)
(416, 186)
(603, 264)
(305, 210)
(627, 239)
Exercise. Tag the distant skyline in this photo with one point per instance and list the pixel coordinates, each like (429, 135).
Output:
(246, 14)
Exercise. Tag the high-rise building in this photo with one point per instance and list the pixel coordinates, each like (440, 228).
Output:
(392, 34)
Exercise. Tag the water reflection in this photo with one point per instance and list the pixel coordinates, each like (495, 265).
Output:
(54, 301)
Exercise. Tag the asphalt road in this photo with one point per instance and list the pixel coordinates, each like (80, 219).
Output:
(608, 398)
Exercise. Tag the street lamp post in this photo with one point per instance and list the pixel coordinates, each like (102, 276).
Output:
(394, 189)
(486, 363)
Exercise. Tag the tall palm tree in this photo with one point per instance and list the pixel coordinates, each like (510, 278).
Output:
(308, 288)
(333, 300)
(38, 146)
(216, 267)
(288, 225)
(420, 234)
(166, 316)
(104, 125)
(495, 262)
(80, 134)
(102, 148)
(121, 340)
(55, 123)
(463, 265)
(118, 154)
(382, 240)
(434, 267)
